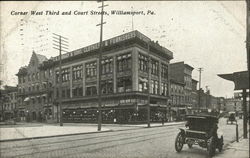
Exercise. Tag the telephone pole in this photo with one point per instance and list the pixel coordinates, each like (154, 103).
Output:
(199, 99)
(100, 69)
(61, 44)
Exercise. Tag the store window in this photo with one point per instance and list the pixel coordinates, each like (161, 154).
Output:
(124, 62)
(91, 69)
(124, 84)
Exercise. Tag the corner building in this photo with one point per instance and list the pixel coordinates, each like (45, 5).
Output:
(125, 80)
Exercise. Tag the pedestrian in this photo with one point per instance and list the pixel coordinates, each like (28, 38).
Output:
(162, 119)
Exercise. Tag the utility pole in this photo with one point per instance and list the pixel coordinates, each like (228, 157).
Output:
(100, 69)
(199, 99)
(61, 44)
(149, 81)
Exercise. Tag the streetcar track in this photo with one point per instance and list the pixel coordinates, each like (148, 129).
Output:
(95, 143)
(77, 139)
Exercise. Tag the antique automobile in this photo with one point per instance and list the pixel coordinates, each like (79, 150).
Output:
(231, 118)
(200, 130)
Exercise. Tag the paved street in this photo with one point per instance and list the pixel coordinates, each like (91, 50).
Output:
(139, 142)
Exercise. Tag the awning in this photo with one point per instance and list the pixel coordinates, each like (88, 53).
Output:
(27, 99)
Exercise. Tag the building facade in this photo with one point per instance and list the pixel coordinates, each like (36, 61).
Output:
(182, 73)
(194, 95)
(178, 107)
(8, 97)
(134, 70)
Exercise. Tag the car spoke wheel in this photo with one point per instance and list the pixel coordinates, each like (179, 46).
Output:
(211, 147)
(179, 141)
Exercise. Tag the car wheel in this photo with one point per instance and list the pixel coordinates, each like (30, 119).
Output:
(179, 141)
(211, 147)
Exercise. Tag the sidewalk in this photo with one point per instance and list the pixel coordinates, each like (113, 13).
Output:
(236, 150)
(23, 131)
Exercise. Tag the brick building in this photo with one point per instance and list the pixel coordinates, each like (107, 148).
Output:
(182, 73)
(8, 97)
(179, 108)
(124, 82)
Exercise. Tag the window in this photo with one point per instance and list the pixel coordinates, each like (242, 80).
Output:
(65, 75)
(91, 91)
(154, 87)
(91, 69)
(143, 63)
(164, 89)
(124, 84)
(77, 72)
(28, 77)
(107, 65)
(37, 87)
(164, 71)
(107, 87)
(23, 79)
(124, 62)
(143, 84)
(77, 92)
(33, 77)
(154, 67)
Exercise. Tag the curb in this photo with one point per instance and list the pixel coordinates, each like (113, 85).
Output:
(62, 135)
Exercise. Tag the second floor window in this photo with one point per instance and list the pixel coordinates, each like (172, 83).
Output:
(107, 65)
(77, 72)
(91, 91)
(124, 84)
(154, 87)
(124, 62)
(143, 63)
(164, 71)
(65, 75)
(164, 89)
(107, 87)
(154, 67)
(91, 69)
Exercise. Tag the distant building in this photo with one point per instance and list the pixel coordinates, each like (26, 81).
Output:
(8, 97)
(182, 73)
(35, 90)
(177, 99)
(125, 81)
(233, 104)
(194, 94)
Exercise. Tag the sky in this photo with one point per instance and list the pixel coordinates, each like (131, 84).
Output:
(209, 34)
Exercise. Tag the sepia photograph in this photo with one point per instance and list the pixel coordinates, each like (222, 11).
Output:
(124, 79)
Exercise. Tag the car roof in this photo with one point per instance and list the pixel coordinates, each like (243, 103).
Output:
(201, 116)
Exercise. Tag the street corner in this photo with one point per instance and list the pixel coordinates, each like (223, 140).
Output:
(236, 149)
